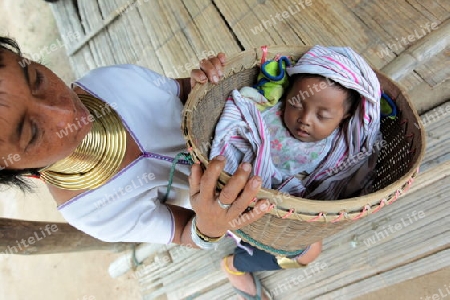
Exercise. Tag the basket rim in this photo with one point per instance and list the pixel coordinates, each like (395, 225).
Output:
(301, 208)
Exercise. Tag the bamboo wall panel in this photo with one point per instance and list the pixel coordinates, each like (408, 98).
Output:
(174, 39)
(401, 24)
(171, 41)
(69, 23)
(378, 30)
(327, 22)
(182, 33)
(101, 46)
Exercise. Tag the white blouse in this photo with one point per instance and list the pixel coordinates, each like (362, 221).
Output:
(128, 207)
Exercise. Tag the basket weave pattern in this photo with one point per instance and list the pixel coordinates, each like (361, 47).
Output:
(298, 222)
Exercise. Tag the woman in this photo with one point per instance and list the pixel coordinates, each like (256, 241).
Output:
(107, 148)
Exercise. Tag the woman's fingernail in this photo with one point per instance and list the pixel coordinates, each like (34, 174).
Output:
(220, 157)
(215, 79)
(246, 167)
(254, 200)
(256, 182)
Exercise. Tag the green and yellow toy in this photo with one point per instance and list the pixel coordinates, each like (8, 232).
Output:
(271, 82)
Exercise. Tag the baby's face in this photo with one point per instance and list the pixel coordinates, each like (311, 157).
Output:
(314, 109)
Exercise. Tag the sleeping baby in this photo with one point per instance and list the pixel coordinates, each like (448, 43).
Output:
(328, 114)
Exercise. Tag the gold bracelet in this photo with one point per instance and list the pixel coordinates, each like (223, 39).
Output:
(207, 238)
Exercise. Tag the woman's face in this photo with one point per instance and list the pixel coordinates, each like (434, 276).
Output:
(40, 117)
(313, 109)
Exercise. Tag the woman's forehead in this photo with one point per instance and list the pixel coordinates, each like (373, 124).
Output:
(6, 54)
(12, 74)
(2, 51)
(11, 92)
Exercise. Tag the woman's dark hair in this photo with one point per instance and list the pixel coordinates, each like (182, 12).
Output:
(7, 43)
(353, 97)
(7, 176)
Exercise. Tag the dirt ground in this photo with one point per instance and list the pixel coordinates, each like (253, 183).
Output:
(84, 276)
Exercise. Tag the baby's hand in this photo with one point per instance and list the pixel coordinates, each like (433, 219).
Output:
(211, 69)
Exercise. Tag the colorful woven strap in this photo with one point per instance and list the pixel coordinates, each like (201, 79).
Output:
(177, 158)
(266, 247)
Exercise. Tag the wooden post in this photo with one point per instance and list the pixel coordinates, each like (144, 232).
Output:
(419, 53)
(32, 237)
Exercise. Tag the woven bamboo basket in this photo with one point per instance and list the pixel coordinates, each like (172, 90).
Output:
(297, 222)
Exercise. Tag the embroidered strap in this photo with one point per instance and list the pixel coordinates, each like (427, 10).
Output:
(268, 248)
(180, 157)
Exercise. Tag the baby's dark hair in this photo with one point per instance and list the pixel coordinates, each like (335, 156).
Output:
(9, 177)
(353, 97)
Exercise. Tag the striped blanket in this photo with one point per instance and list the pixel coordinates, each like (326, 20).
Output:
(242, 136)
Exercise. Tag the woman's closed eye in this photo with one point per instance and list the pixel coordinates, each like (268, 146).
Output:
(33, 136)
(38, 82)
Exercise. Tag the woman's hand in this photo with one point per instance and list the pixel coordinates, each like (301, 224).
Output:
(212, 219)
(211, 69)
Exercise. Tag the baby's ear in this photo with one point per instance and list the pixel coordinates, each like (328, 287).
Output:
(346, 116)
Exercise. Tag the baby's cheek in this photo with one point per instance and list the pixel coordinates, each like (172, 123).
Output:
(288, 117)
(330, 128)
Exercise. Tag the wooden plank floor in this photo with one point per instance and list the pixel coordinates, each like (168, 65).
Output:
(171, 39)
